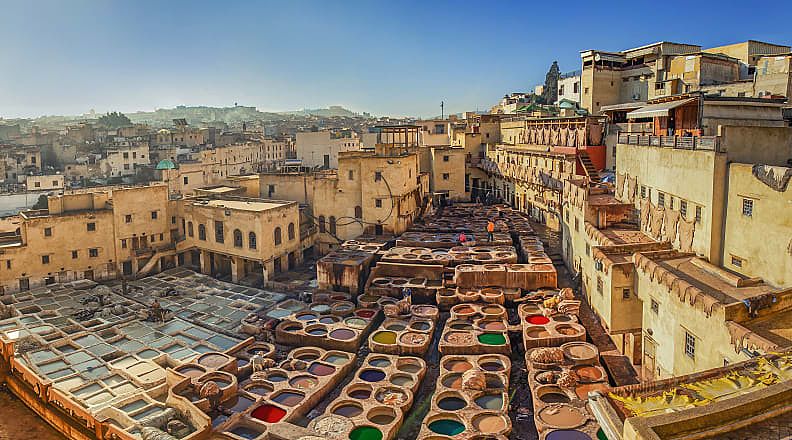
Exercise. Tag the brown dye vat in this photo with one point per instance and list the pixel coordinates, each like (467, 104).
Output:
(561, 416)
(453, 380)
(493, 325)
(191, 371)
(580, 352)
(381, 416)
(411, 338)
(212, 360)
(342, 334)
(348, 409)
(459, 338)
(288, 398)
(304, 382)
(588, 373)
(458, 365)
(582, 390)
(567, 330)
(537, 333)
(489, 423)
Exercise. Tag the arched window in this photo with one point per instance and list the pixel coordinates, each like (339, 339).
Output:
(201, 232)
(277, 236)
(322, 224)
(358, 212)
(332, 225)
(237, 238)
(189, 229)
(291, 231)
(252, 240)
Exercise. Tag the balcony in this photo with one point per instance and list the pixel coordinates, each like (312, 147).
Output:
(702, 143)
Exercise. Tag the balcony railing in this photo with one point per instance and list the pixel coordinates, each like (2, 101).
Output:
(705, 143)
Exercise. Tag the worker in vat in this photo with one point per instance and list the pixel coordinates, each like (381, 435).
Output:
(461, 238)
(407, 295)
(490, 230)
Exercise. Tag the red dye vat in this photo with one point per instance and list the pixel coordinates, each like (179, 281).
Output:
(268, 413)
(538, 320)
(365, 313)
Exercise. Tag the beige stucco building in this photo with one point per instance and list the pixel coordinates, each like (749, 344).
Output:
(322, 148)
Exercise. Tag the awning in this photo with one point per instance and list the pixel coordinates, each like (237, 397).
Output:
(625, 106)
(660, 109)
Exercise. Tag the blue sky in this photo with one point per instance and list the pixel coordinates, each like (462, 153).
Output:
(394, 57)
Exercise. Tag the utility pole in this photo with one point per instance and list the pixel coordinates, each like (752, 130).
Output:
(442, 110)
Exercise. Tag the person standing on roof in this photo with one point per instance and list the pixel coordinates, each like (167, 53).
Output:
(490, 230)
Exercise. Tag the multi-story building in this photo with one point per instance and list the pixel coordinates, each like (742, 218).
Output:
(569, 86)
(124, 157)
(322, 148)
(47, 182)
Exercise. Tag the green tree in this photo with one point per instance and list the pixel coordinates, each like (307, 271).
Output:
(114, 120)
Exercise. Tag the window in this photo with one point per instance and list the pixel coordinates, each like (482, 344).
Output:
(93, 252)
(333, 225)
(123, 243)
(378, 203)
(747, 207)
(655, 306)
(45, 259)
(126, 155)
(561, 90)
(37, 184)
(202, 232)
(291, 231)
(660, 199)
(358, 212)
(153, 215)
(588, 249)
(186, 180)
(189, 229)
(643, 191)
(690, 345)
(237, 238)
(322, 227)
(698, 214)
(683, 208)
(576, 88)
(351, 175)
(48, 232)
(270, 190)
(219, 235)
(91, 227)
(625, 293)
(128, 218)
(736, 261)
(577, 224)
(446, 158)
(75, 254)
(671, 204)
(377, 176)
(599, 285)
(445, 176)
(126, 166)
(252, 240)
(277, 235)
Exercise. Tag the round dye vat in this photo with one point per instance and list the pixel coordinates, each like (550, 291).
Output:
(459, 366)
(367, 314)
(396, 326)
(494, 325)
(538, 319)
(579, 351)
(384, 337)
(336, 359)
(356, 323)
(424, 310)
(554, 397)
(601, 435)
(446, 427)
(451, 403)
(348, 410)
(408, 367)
(381, 416)
(490, 401)
(304, 382)
(463, 310)
(360, 393)
(588, 373)
(321, 369)
(191, 371)
(365, 433)
(342, 334)
(380, 362)
(308, 356)
(276, 377)
(491, 365)
(489, 423)
(259, 389)
(245, 432)
(288, 398)
(567, 330)
(402, 380)
(537, 333)
(462, 326)
(561, 416)
(328, 320)
(212, 360)
(373, 375)
(320, 308)
(491, 310)
(453, 381)
(242, 362)
(306, 316)
(268, 413)
(420, 326)
(492, 339)
(317, 331)
(569, 434)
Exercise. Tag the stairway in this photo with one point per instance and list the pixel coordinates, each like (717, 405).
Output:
(588, 166)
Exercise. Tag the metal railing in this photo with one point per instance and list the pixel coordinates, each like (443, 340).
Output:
(704, 143)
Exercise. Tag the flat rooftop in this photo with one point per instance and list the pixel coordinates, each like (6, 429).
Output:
(252, 205)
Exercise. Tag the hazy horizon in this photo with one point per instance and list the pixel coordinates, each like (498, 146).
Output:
(386, 58)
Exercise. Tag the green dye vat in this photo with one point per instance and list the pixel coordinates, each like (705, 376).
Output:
(601, 435)
(365, 433)
(446, 427)
(492, 339)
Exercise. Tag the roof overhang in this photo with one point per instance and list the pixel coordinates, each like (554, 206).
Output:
(658, 110)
